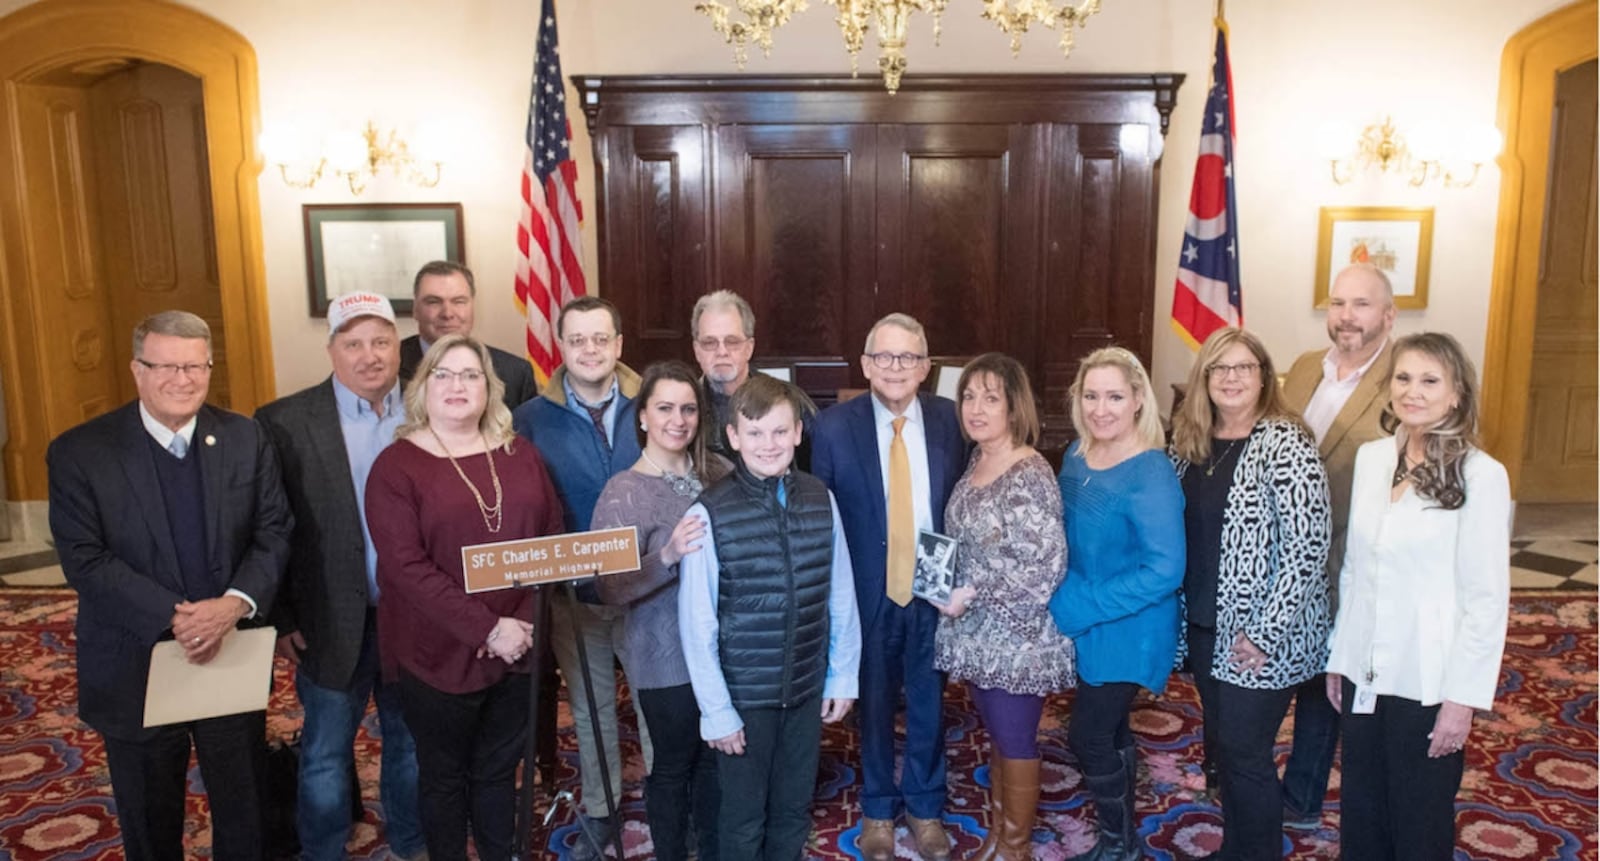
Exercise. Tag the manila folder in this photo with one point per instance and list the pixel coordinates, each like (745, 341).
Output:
(238, 679)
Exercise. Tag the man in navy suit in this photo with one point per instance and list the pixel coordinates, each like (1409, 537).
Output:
(854, 450)
(171, 522)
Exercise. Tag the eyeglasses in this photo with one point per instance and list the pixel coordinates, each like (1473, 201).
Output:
(445, 375)
(903, 360)
(1243, 369)
(728, 342)
(165, 370)
(579, 342)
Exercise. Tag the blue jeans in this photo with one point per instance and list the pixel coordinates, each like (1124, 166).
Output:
(327, 749)
(1316, 737)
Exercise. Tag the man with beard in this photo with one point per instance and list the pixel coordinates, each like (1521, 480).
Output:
(1340, 392)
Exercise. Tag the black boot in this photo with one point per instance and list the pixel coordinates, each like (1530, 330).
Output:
(1130, 764)
(1117, 842)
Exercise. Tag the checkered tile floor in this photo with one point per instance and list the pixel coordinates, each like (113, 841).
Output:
(1553, 563)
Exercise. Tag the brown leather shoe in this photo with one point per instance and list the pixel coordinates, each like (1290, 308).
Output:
(877, 839)
(933, 844)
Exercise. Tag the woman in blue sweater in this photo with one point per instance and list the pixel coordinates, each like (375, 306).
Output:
(1119, 602)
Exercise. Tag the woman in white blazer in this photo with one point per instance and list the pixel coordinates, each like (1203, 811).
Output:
(1424, 592)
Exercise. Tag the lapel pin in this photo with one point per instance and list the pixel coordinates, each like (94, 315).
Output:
(211, 440)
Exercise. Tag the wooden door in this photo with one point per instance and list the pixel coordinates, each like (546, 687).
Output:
(1559, 454)
(78, 359)
(653, 193)
(794, 216)
(155, 206)
(958, 219)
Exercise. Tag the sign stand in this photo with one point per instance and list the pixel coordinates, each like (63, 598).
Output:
(532, 564)
(522, 844)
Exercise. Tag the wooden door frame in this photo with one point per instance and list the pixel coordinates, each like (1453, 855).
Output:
(49, 36)
(1533, 58)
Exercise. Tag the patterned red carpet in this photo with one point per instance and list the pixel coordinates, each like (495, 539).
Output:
(1529, 793)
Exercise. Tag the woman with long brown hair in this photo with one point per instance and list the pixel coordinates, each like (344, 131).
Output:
(653, 496)
(1424, 595)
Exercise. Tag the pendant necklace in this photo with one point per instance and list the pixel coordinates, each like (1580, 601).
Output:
(1403, 470)
(1211, 466)
(493, 515)
(686, 485)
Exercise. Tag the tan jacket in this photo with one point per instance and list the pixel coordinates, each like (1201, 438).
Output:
(1355, 425)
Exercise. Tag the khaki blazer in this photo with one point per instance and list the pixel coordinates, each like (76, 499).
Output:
(1356, 425)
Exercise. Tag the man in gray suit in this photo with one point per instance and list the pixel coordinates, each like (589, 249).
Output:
(327, 438)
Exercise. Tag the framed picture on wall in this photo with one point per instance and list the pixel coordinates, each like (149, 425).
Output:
(1396, 239)
(376, 247)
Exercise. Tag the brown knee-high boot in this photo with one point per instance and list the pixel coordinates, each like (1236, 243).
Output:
(1022, 806)
(991, 841)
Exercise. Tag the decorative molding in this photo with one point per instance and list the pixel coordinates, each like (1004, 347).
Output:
(72, 201)
(88, 349)
(144, 166)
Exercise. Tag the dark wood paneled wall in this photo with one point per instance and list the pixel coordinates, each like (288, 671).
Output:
(1011, 213)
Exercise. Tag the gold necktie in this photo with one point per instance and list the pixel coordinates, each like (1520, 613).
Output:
(902, 521)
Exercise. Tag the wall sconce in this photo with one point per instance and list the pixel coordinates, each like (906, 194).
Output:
(356, 157)
(1423, 158)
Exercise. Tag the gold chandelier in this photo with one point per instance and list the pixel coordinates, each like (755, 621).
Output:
(891, 17)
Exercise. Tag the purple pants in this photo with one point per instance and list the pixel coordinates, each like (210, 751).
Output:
(1011, 719)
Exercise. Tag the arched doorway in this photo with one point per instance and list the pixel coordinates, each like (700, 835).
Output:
(61, 358)
(1532, 70)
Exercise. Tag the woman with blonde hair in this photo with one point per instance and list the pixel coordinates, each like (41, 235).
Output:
(1424, 591)
(456, 477)
(1123, 512)
(1257, 526)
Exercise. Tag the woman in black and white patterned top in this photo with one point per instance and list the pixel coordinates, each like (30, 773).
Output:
(1255, 588)
(997, 634)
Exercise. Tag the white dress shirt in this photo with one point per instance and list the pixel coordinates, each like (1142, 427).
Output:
(1333, 393)
(915, 436)
(1424, 592)
(163, 436)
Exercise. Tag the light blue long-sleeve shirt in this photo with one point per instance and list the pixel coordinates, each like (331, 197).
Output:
(698, 626)
(366, 435)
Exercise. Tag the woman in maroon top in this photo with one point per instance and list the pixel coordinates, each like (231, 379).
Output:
(455, 477)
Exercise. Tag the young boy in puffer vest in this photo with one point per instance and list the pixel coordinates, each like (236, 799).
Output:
(767, 615)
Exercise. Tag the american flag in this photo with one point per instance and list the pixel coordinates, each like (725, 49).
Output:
(1207, 296)
(549, 253)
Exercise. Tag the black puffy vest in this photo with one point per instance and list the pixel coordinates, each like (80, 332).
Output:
(775, 564)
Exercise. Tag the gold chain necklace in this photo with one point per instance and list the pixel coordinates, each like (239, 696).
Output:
(493, 515)
(1211, 467)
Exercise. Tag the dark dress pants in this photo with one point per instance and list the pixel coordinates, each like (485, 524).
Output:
(468, 747)
(1098, 729)
(767, 790)
(1394, 801)
(148, 782)
(683, 775)
(1316, 739)
(1244, 723)
(896, 654)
